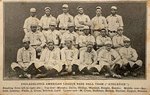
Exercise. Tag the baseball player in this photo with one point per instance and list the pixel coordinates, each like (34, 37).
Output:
(81, 20)
(88, 59)
(37, 39)
(98, 22)
(29, 20)
(52, 34)
(70, 34)
(85, 38)
(46, 19)
(26, 56)
(64, 19)
(114, 21)
(102, 38)
(130, 63)
(49, 64)
(69, 56)
(107, 58)
(118, 39)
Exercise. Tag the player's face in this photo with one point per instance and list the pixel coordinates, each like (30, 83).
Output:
(126, 44)
(103, 33)
(98, 12)
(32, 14)
(33, 28)
(120, 32)
(113, 11)
(80, 10)
(71, 29)
(47, 12)
(108, 47)
(89, 48)
(52, 27)
(50, 46)
(68, 43)
(87, 31)
(65, 10)
(26, 45)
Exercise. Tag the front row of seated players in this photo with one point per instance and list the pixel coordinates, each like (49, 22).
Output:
(55, 62)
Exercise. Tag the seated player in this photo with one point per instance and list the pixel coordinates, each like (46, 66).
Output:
(101, 39)
(26, 56)
(52, 34)
(70, 34)
(118, 39)
(69, 56)
(37, 39)
(107, 58)
(88, 59)
(49, 64)
(85, 38)
(129, 56)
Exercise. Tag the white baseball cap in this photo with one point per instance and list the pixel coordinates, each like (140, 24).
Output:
(98, 7)
(114, 7)
(65, 6)
(32, 10)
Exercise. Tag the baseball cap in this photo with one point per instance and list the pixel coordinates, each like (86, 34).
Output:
(32, 10)
(65, 6)
(114, 7)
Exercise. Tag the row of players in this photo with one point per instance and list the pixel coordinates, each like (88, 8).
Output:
(115, 62)
(39, 39)
(111, 23)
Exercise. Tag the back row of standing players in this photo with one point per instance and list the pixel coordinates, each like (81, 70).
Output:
(87, 46)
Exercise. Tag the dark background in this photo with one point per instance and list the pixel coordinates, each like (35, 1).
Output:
(133, 13)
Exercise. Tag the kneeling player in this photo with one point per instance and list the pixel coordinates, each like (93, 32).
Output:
(49, 64)
(88, 60)
(69, 56)
(107, 58)
(131, 65)
(25, 66)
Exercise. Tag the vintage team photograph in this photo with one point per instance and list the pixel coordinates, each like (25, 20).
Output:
(74, 40)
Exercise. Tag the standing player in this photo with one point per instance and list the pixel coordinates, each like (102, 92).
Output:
(29, 20)
(98, 22)
(46, 19)
(64, 19)
(114, 21)
(81, 20)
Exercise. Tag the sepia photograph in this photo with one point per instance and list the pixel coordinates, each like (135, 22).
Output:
(74, 40)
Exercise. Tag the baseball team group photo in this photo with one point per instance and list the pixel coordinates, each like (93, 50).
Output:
(74, 40)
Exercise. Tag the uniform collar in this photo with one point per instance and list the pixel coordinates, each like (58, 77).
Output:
(48, 16)
(65, 14)
(27, 49)
(81, 15)
(114, 15)
(98, 16)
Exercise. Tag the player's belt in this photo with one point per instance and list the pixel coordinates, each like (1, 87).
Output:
(97, 30)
